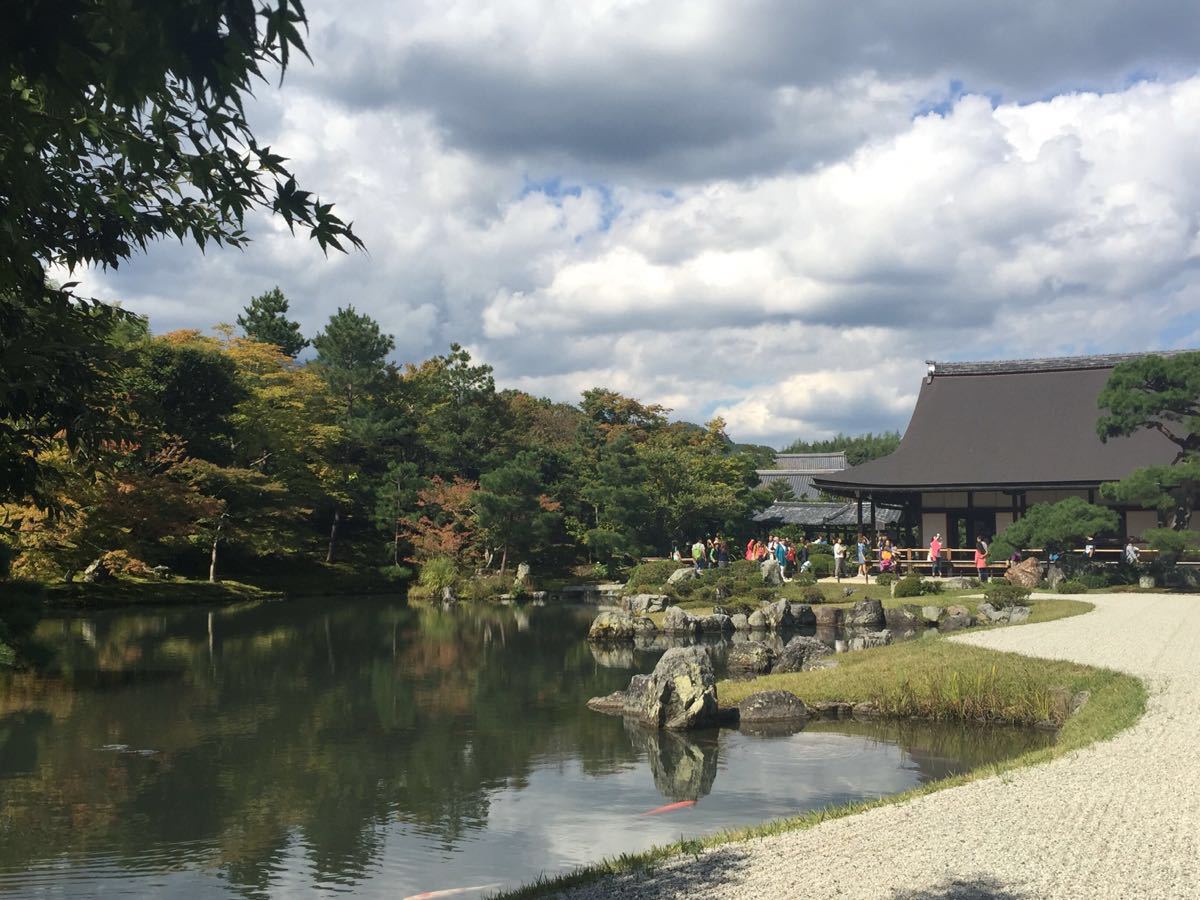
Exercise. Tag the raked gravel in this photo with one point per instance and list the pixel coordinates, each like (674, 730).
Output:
(1119, 819)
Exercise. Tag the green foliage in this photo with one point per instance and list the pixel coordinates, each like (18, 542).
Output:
(650, 576)
(1002, 593)
(813, 594)
(859, 449)
(1054, 526)
(822, 565)
(804, 579)
(513, 510)
(1093, 581)
(438, 574)
(764, 594)
(265, 319)
(1157, 392)
(931, 587)
(1072, 586)
(352, 353)
(909, 586)
(1171, 544)
(885, 578)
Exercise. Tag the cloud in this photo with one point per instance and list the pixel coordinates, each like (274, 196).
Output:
(792, 213)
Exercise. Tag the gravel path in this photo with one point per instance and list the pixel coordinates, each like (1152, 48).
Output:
(1119, 819)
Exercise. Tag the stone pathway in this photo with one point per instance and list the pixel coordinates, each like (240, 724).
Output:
(1120, 819)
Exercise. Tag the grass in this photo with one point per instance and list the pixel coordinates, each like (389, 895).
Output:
(921, 674)
(138, 592)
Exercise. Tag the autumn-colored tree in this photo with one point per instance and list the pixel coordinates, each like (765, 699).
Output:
(445, 525)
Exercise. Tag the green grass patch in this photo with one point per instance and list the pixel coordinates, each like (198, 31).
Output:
(1117, 701)
(139, 592)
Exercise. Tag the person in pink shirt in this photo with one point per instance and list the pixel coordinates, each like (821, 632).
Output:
(935, 555)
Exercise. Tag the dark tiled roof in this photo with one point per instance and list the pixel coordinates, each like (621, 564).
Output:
(811, 462)
(801, 485)
(1049, 364)
(1008, 427)
(823, 515)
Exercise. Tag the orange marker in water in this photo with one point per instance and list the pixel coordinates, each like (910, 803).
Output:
(452, 892)
(670, 807)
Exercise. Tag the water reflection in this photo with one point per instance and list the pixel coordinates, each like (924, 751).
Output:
(281, 749)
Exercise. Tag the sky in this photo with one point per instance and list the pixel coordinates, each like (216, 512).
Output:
(773, 211)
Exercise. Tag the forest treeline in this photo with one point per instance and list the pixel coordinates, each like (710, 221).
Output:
(218, 452)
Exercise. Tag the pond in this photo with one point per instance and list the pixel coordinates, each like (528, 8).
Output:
(304, 749)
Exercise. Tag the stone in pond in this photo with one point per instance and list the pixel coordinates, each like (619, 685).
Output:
(740, 622)
(800, 653)
(779, 615)
(680, 693)
(753, 657)
(757, 621)
(612, 625)
(771, 706)
(677, 621)
(802, 615)
(866, 614)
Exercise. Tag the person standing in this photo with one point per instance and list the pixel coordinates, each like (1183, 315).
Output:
(750, 548)
(802, 557)
(935, 555)
(698, 554)
(1089, 549)
(1132, 554)
(981, 560)
(839, 559)
(722, 554)
(862, 551)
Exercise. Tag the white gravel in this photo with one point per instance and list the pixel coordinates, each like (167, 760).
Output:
(1119, 819)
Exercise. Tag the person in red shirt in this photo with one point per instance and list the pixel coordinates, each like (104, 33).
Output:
(935, 555)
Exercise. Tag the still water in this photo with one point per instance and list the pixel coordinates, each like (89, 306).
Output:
(309, 749)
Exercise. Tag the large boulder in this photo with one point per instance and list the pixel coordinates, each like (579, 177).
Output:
(931, 615)
(829, 616)
(869, 639)
(771, 573)
(677, 621)
(800, 653)
(779, 615)
(685, 573)
(1018, 614)
(680, 693)
(613, 625)
(1055, 575)
(866, 614)
(97, 571)
(757, 621)
(771, 706)
(717, 623)
(903, 618)
(956, 619)
(740, 622)
(802, 615)
(644, 604)
(522, 577)
(753, 657)
(1026, 573)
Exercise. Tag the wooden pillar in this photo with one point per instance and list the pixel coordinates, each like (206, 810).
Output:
(971, 535)
(860, 516)
(873, 517)
(1016, 512)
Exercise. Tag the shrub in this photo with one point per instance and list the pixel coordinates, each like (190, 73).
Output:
(931, 587)
(764, 594)
(822, 566)
(813, 594)
(438, 574)
(820, 550)
(650, 575)
(804, 579)
(485, 587)
(600, 572)
(1001, 594)
(885, 578)
(685, 588)
(1093, 581)
(1072, 586)
(909, 586)
(119, 562)
(743, 568)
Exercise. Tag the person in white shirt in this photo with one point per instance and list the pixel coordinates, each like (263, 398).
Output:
(839, 559)
(1132, 555)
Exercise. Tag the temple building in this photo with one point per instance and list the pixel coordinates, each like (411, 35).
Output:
(989, 439)
(807, 508)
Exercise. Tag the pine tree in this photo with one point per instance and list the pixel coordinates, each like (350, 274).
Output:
(352, 351)
(266, 320)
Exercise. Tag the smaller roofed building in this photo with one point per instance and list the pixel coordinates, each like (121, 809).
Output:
(989, 439)
(807, 509)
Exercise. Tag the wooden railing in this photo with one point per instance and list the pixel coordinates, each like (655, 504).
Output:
(960, 558)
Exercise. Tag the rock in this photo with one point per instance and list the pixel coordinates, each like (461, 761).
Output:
(779, 615)
(680, 693)
(97, 571)
(717, 623)
(955, 621)
(931, 615)
(740, 622)
(831, 709)
(870, 640)
(723, 590)
(721, 611)
(800, 654)
(802, 615)
(986, 614)
(957, 610)
(163, 572)
(752, 657)
(771, 573)
(848, 592)
(828, 616)
(1145, 582)
(957, 583)
(682, 769)
(677, 621)
(613, 703)
(448, 595)
(757, 621)
(771, 706)
(1079, 701)
(613, 625)
(1055, 575)
(644, 604)
(1018, 614)
(903, 617)
(539, 597)
(866, 614)
(686, 573)
(1026, 573)
(866, 710)
(522, 574)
